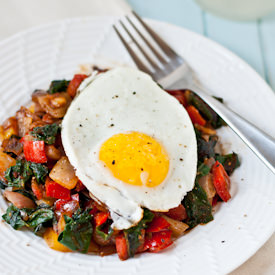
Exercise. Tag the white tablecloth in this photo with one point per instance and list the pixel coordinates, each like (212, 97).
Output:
(17, 15)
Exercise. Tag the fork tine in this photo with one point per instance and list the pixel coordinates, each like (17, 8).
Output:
(160, 58)
(153, 64)
(137, 61)
(163, 45)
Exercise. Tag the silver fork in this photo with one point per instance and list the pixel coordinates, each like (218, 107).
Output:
(172, 72)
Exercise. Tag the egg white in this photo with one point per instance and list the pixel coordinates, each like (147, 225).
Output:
(119, 101)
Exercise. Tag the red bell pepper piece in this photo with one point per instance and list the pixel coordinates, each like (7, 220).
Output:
(215, 200)
(34, 150)
(67, 207)
(121, 247)
(37, 190)
(55, 190)
(158, 241)
(100, 218)
(61, 203)
(158, 224)
(74, 84)
(178, 213)
(195, 115)
(221, 181)
(179, 95)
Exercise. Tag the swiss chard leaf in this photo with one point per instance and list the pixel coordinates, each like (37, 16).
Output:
(13, 217)
(198, 209)
(230, 162)
(3, 185)
(34, 219)
(18, 174)
(133, 234)
(220, 99)
(206, 148)
(22, 172)
(102, 234)
(39, 217)
(40, 171)
(78, 231)
(202, 170)
(46, 133)
(206, 111)
(58, 86)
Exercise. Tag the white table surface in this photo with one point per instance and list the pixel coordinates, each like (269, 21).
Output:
(18, 15)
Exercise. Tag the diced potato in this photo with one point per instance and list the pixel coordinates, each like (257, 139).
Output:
(46, 101)
(24, 119)
(51, 237)
(61, 224)
(177, 227)
(6, 161)
(9, 132)
(63, 173)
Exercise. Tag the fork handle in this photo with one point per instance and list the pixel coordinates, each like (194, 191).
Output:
(259, 142)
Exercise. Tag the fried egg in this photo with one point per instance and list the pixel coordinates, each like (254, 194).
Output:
(132, 145)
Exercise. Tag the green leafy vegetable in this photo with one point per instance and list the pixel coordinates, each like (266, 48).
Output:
(206, 111)
(3, 185)
(18, 174)
(46, 133)
(40, 171)
(230, 162)
(58, 86)
(106, 236)
(22, 172)
(133, 234)
(220, 99)
(39, 217)
(78, 231)
(34, 219)
(13, 217)
(197, 206)
(202, 170)
(206, 148)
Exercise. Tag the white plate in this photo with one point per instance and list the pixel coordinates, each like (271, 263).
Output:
(32, 59)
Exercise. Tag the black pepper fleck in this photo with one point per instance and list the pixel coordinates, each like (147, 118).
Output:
(113, 162)
(112, 125)
(80, 125)
(141, 169)
(181, 159)
(134, 93)
(223, 241)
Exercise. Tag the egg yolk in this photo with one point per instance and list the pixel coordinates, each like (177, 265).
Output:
(135, 158)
